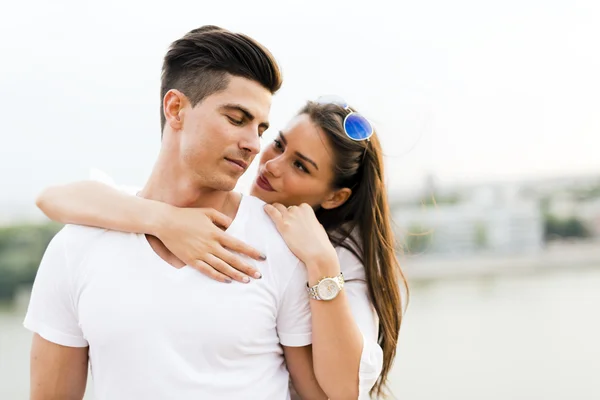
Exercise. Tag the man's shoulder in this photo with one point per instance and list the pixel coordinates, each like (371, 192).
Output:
(252, 212)
(78, 235)
(77, 240)
(257, 229)
(253, 203)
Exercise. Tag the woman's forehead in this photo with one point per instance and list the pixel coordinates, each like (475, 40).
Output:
(304, 136)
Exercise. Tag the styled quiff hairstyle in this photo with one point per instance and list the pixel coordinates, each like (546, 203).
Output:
(201, 62)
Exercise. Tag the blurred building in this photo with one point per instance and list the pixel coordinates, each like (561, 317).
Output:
(489, 219)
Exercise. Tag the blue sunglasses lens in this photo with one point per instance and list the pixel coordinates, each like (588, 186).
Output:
(357, 127)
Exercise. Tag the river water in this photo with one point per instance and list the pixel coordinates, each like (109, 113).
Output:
(503, 338)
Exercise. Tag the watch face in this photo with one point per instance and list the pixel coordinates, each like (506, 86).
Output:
(328, 289)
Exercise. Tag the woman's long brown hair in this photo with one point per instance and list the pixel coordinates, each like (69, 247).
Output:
(363, 224)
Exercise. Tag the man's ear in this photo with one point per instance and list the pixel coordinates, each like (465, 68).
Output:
(174, 104)
(336, 198)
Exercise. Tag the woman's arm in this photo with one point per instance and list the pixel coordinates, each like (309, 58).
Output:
(337, 339)
(97, 204)
(345, 331)
(191, 234)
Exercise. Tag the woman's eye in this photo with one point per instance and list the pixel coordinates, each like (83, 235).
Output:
(300, 166)
(277, 144)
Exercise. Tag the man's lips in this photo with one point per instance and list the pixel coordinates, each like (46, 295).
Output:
(263, 183)
(242, 164)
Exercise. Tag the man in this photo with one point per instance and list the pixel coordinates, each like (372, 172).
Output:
(151, 327)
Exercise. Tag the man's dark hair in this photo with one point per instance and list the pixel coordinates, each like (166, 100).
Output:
(199, 64)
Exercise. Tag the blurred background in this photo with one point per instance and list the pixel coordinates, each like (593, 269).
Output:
(489, 116)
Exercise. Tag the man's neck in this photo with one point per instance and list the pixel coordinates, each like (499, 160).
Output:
(171, 184)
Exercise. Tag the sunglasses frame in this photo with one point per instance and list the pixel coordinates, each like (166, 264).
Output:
(333, 99)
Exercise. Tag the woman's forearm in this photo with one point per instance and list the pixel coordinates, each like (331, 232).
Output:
(337, 341)
(96, 204)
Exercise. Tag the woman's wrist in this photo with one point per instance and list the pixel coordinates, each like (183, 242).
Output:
(158, 218)
(322, 266)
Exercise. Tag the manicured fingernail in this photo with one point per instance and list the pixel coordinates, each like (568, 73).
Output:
(245, 279)
(262, 257)
(257, 275)
(227, 280)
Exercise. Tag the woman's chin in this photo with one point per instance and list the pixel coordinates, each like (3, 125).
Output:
(265, 196)
(257, 192)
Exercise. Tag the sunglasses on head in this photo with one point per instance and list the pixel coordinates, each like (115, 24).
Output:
(356, 126)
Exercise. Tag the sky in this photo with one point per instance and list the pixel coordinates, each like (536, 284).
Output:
(464, 90)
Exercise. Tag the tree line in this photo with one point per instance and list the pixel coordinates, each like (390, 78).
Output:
(21, 249)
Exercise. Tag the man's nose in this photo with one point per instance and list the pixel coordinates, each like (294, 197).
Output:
(251, 142)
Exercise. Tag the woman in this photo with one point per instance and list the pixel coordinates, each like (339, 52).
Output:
(323, 178)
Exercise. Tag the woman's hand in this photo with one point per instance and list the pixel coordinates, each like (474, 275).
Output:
(304, 235)
(193, 235)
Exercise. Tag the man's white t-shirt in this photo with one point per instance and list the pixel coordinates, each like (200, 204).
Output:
(158, 332)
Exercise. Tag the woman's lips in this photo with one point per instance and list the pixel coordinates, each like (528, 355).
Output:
(264, 184)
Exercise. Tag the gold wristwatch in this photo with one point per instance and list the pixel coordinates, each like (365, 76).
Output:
(327, 288)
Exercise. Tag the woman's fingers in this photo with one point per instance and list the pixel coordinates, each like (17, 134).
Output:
(209, 271)
(244, 268)
(226, 269)
(217, 218)
(281, 208)
(240, 247)
(276, 212)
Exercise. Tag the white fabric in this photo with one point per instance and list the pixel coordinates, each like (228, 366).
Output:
(371, 361)
(157, 332)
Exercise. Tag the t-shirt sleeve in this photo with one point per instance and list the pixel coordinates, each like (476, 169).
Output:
(294, 319)
(51, 312)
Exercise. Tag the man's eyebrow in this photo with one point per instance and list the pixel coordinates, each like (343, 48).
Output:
(300, 155)
(246, 112)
